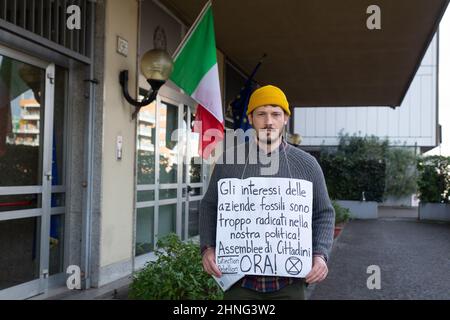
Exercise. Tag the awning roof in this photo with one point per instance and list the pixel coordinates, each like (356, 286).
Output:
(320, 51)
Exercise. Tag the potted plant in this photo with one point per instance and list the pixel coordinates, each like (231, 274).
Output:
(176, 274)
(434, 188)
(342, 215)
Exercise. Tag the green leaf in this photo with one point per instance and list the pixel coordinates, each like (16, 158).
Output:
(176, 274)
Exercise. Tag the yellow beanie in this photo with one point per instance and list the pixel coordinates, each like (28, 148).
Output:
(268, 95)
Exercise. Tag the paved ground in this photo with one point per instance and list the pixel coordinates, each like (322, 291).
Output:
(414, 258)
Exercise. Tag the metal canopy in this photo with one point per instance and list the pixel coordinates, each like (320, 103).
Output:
(321, 52)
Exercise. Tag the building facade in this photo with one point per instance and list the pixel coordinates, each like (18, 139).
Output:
(82, 183)
(413, 124)
(83, 186)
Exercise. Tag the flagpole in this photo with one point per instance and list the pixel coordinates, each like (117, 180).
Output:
(250, 79)
(191, 30)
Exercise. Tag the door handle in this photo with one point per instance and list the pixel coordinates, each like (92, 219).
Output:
(49, 176)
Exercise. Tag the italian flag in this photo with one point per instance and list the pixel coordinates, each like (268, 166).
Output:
(196, 72)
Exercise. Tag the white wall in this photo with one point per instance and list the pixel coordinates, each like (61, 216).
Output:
(444, 85)
(118, 175)
(413, 122)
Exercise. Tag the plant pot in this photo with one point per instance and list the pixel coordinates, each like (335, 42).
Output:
(434, 211)
(360, 209)
(337, 230)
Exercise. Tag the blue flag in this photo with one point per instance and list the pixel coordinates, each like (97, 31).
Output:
(239, 107)
(240, 104)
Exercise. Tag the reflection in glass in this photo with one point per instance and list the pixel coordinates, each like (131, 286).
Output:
(183, 142)
(20, 202)
(195, 172)
(167, 194)
(144, 230)
(167, 220)
(193, 158)
(194, 216)
(146, 144)
(22, 89)
(168, 160)
(58, 200)
(195, 192)
(58, 126)
(22, 114)
(56, 244)
(196, 160)
(56, 256)
(19, 247)
(183, 221)
(144, 196)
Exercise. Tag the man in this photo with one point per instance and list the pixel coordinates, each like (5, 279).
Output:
(268, 113)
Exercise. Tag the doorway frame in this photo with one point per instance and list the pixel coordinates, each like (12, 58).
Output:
(39, 285)
(180, 100)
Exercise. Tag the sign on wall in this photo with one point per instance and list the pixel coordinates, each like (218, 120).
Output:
(264, 227)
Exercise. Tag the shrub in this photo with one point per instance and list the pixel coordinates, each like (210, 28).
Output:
(357, 166)
(401, 172)
(342, 214)
(177, 274)
(434, 179)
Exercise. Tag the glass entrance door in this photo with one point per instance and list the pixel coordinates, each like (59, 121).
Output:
(169, 170)
(26, 145)
(180, 175)
(170, 173)
(193, 176)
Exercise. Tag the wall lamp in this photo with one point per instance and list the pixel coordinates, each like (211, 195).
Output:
(156, 66)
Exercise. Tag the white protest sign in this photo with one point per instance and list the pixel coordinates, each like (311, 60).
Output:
(264, 227)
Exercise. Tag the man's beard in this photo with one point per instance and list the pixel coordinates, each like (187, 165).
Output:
(263, 137)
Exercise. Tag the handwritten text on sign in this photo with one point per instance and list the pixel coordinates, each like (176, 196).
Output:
(264, 227)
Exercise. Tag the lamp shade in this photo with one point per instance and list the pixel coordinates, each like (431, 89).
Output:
(156, 64)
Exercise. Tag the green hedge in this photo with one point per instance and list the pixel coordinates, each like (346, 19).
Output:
(434, 179)
(401, 172)
(347, 179)
(369, 165)
(358, 165)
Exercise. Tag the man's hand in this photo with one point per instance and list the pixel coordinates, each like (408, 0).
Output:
(318, 272)
(209, 262)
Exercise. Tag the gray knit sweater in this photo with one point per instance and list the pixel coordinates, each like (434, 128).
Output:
(301, 165)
